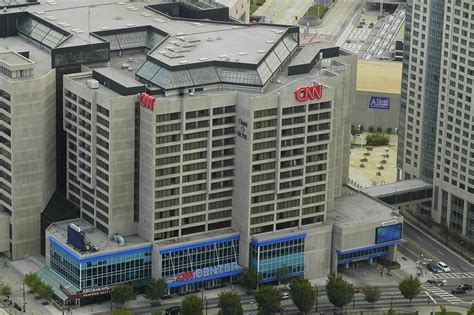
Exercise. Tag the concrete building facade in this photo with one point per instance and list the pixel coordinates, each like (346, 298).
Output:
(436, 125)
(199, 147)
(27, 141)
(377, 102)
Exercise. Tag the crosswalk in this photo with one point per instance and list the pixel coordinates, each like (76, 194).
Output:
(435, 291)
(458, 275)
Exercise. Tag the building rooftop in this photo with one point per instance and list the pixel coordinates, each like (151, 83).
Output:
(356, 208)
(95, 238)
(39, 57)
(397, 187)
(12, 59)
(379, 76)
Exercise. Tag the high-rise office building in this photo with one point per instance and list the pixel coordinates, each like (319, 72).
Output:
(436, 127)
(196, 148)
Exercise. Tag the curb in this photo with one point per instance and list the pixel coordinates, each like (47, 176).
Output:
(437, 242)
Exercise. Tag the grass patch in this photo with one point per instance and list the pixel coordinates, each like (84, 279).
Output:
(255, 4)
(448, 313)
(313, 11)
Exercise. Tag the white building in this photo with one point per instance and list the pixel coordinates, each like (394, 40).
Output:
(436, 126)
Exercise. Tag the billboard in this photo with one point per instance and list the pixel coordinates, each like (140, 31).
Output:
(379, 102)
(76, 239)
(388, 233)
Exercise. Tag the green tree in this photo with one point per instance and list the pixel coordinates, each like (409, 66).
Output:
(6, 290)
(230, 304)
(372, 294)
(45, 290)
(470, 311)
(32, 280)
(249, 279)
(302, 294)
(339, 291)
(268, 299)
(122, 293)
(282, 274)
(410, 287)
(391, 311)
(443, 310)
(156, 312)
(155, 289)
(191, 305)
(121, 311)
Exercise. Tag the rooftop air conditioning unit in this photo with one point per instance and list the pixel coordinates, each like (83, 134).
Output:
(92, 84)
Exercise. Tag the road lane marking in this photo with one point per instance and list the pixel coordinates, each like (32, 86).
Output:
(434, 301)
(441, 253)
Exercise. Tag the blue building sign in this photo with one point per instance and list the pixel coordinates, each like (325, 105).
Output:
(379, 102)
(388, 233)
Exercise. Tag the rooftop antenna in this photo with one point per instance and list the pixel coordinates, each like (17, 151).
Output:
(89, 21)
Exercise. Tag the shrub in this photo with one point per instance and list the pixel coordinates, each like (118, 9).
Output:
(377, 139)
(379, 129)
(389, 130)
(371, 129)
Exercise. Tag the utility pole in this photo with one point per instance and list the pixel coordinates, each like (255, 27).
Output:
(24, 300)
(317, 296)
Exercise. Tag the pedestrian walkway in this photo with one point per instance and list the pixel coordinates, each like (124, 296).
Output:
(459, 275)
(435, 291)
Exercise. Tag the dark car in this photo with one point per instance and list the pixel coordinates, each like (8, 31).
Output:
(175, 310)
(458, 290)
(466, 286)
(432, 267)
(438, 283)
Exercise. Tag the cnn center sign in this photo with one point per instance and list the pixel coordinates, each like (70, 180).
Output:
(206, 272)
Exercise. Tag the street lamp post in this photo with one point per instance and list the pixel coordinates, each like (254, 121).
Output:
(251, 307)
(317, 296)
(206, 305)
(24, 300)
(391, 301)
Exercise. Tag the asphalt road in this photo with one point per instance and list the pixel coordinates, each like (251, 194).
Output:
(390, 296)
(419, 246)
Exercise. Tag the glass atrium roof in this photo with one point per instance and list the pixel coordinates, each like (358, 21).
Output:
(168, 79)
(132, 39)
(39, 32)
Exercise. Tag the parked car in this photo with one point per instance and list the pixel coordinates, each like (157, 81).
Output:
(443, 267)
(174, 310)
(432, 267)
(466, 286)
(357, 290)
(285, 295)
(458, 290)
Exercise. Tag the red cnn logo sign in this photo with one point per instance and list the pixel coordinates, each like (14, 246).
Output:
(308, 92)
(183, 276)
(146, 100)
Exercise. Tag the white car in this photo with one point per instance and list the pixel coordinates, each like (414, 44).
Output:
(443, 267)
(285, 296)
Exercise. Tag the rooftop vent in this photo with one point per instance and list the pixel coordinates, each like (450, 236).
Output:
(223, 56)
(270, 41)
(40, 12)
(92, 84)
(125, 65)
(262, 51)
(130, 25)
(203, 59)
(242, 53)
(105, 27)
(159, 20)
(219, 38)
(183, 62)
(179, 34)
(210, 39)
